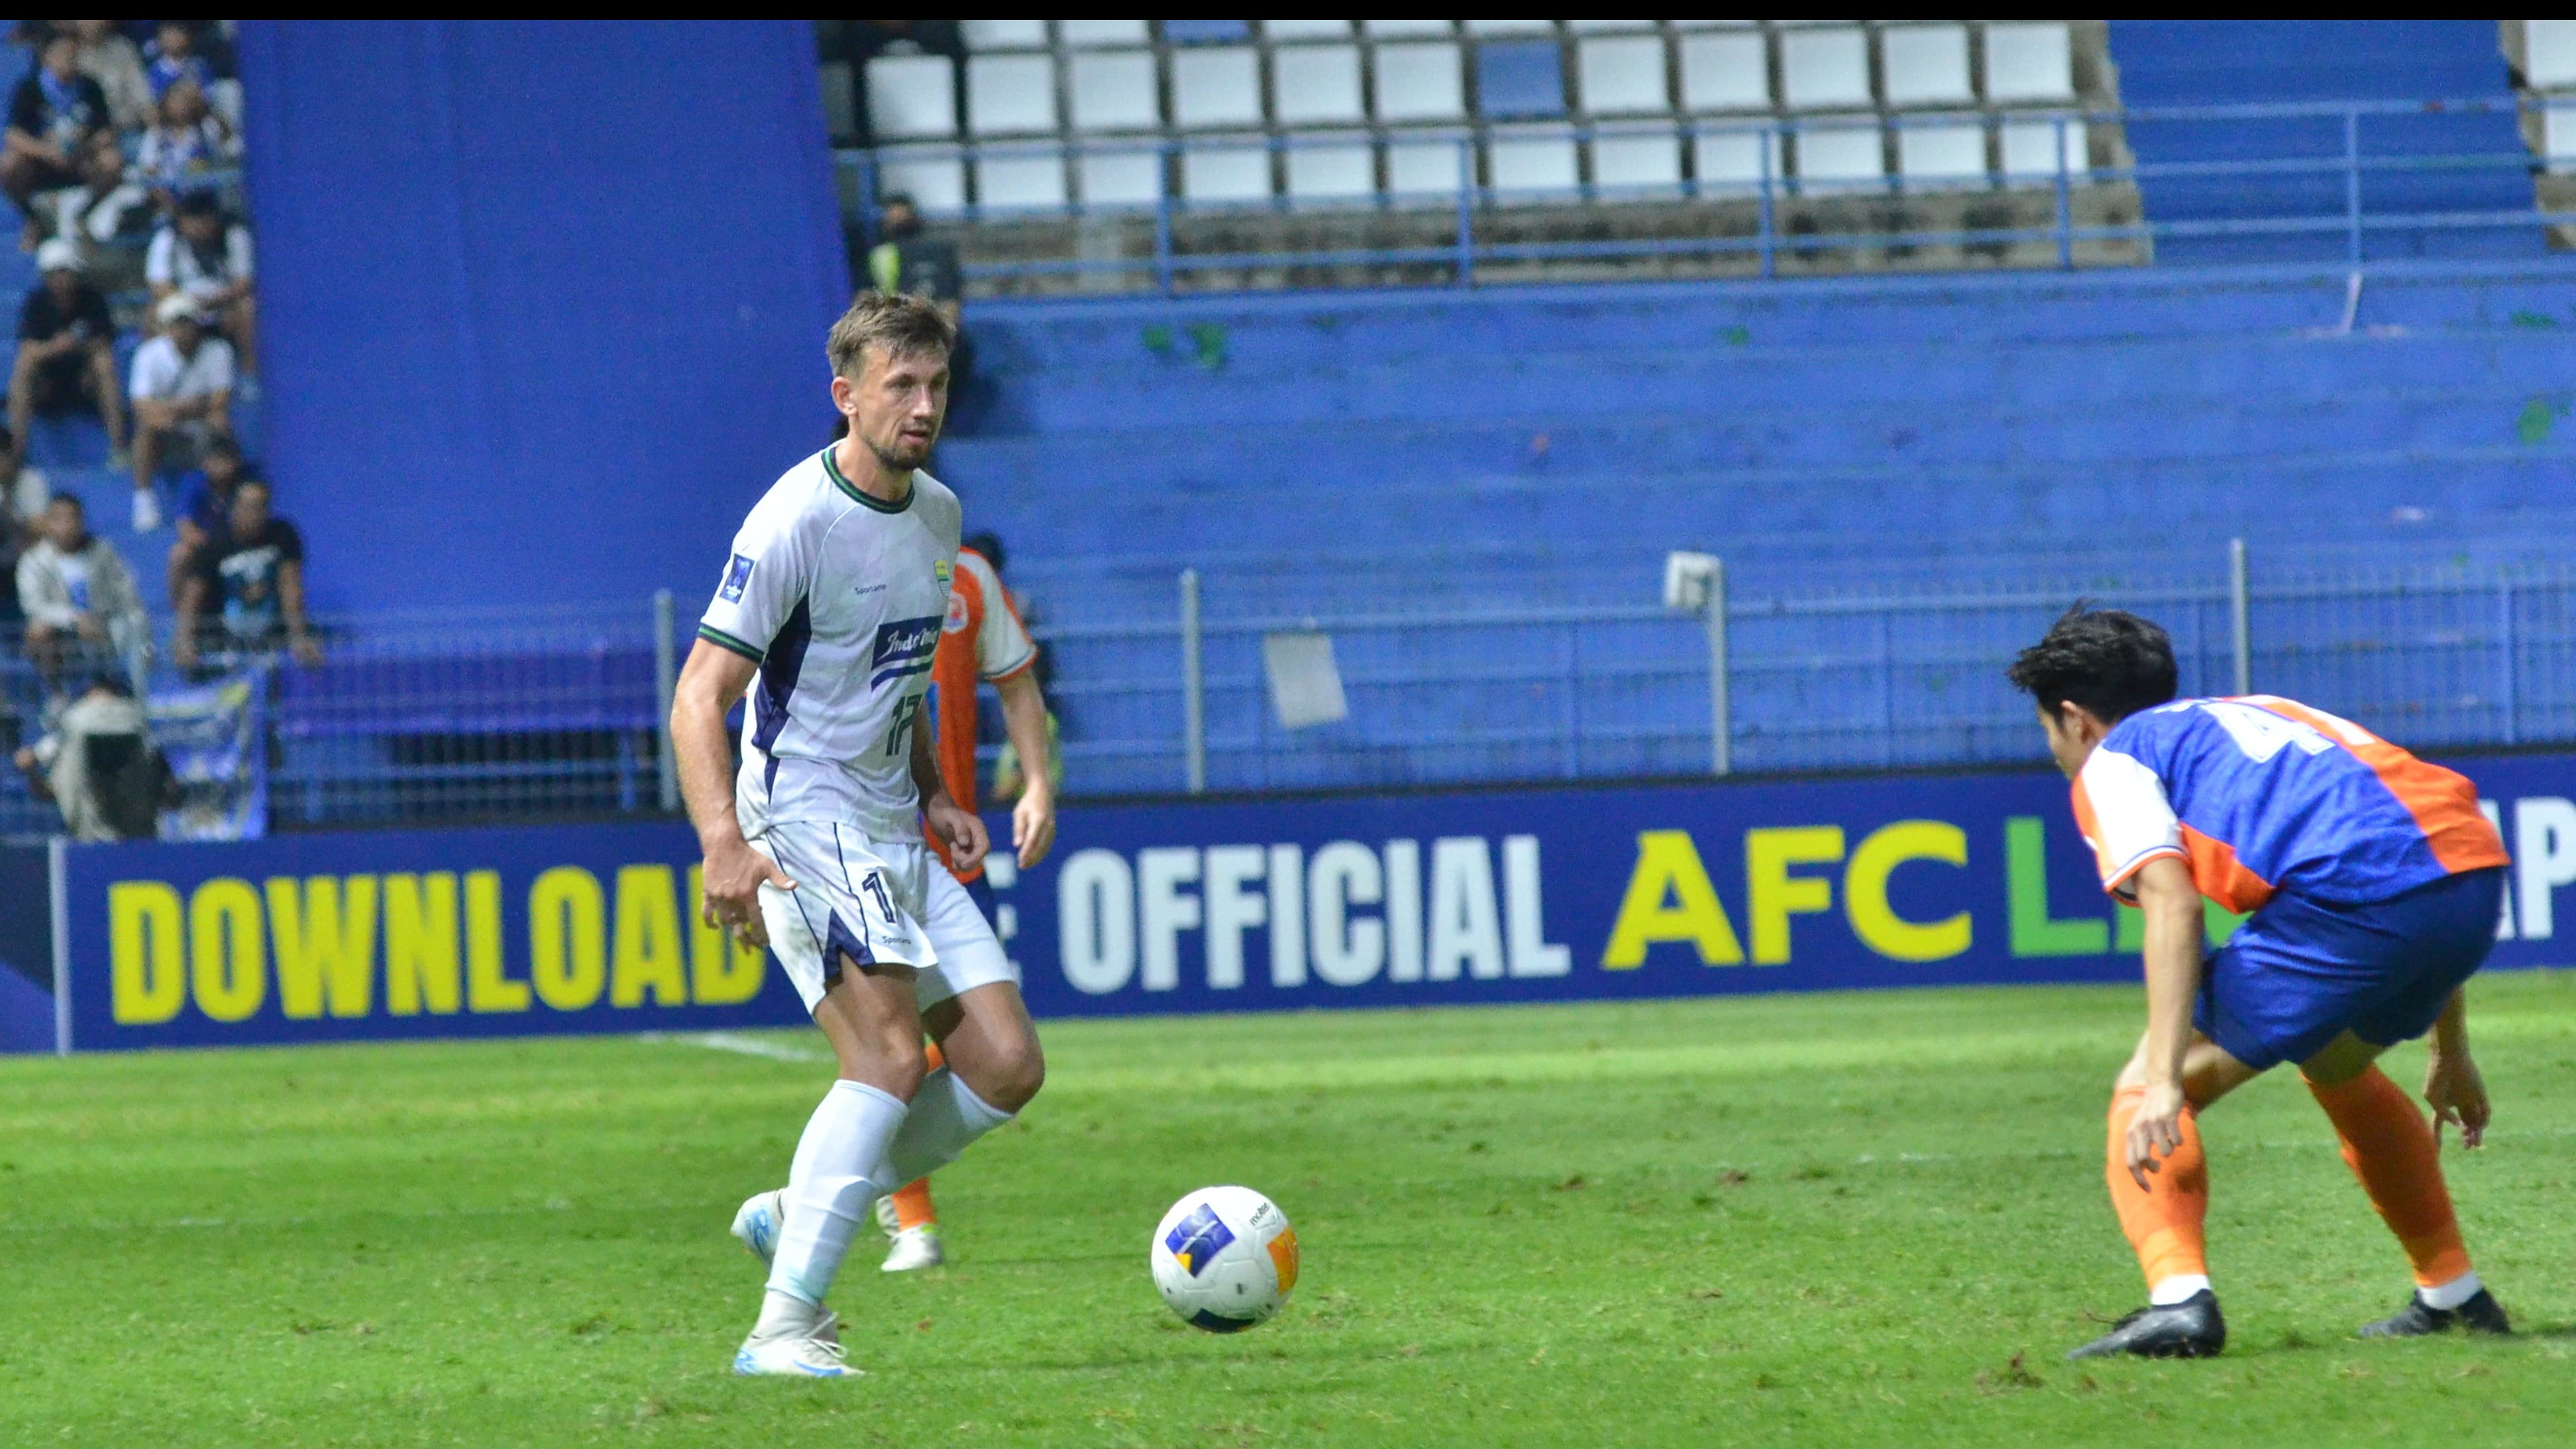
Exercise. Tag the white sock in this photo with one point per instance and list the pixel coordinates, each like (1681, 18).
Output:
(946, 1116)
(2451, 1295)
(784, 1315)
(832, 1185)
(2177, 1288)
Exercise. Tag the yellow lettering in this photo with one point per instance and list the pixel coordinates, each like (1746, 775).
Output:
(1669, 869)
(567, 938)
(717, 976)
(325, 944)
(646, 949)
(147, 977)
(225, 953)
(421, 963)
(488, 987)
(1865, 891)
(1772, 895)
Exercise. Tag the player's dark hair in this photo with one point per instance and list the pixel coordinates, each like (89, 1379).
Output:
(2112, 663)
(200, 203)
(904, 326)
(989, 545)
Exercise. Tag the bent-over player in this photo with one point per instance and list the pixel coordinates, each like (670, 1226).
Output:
(2375, 886)
(833, 598)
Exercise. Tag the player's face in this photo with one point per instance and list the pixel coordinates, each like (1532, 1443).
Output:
(897, 404)
(2072, 734)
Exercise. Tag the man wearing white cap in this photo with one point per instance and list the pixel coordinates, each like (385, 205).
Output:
(66, 348)
(182, 390)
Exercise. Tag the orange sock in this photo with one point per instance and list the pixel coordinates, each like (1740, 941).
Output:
(2163, 1222)
(2391, 1149)
(912, 1207)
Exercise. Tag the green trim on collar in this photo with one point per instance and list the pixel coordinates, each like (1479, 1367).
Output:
(870, 499)
(723, 640)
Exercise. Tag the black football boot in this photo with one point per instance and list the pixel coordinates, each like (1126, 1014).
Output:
(2189, 1329)
(2481, 1314)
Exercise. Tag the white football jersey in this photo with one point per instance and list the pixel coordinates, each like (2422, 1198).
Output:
(840, 598)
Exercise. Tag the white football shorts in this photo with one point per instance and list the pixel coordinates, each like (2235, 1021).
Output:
(874, 902)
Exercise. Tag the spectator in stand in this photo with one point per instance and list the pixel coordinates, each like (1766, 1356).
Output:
(108, 217)
(905, 261)
(98, 767)
(186, 144)
(206, 256)
(52, 115)
(111, 60)
(174, 58)
(205, 499)
(23, 494)
(79, 598)
(247, 594)
(66, 349)
(182, 391)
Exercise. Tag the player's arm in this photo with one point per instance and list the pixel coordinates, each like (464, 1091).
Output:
(1024, 718)
(710, 684)
(2171, 904)
(2452, 1084)
(950, 821)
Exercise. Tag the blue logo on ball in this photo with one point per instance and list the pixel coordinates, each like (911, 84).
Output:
(1197, 1239)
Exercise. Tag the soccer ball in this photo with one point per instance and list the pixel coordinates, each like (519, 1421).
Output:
(1225, 1258)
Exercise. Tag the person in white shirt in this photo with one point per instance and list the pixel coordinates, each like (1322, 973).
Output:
(79, 599)
(106, 216)
(833, 600)
(208, 257)
(181, 388)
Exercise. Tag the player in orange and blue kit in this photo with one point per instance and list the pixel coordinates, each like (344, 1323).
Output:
(983, 641)
(2375, 887)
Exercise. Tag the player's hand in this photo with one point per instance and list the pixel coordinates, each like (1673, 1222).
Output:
(2155, 1131)
(2458, 1095)
(1033, 823)
(733, 877)
(959, 830)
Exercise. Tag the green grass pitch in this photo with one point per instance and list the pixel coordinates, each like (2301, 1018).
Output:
(1862, 1219)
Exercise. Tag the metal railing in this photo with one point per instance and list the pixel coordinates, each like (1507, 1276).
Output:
(1756, 174)
(1773, 680)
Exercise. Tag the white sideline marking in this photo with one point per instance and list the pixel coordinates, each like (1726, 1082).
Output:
(749, 1046)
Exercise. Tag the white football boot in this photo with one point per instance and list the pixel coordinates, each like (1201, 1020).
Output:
(912, 1247)
(757, 1223)
(810, 1350)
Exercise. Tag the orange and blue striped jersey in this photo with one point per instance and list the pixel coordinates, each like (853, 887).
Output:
(2262, 794)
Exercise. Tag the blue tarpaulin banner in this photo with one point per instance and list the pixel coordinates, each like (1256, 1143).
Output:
(1394, 900)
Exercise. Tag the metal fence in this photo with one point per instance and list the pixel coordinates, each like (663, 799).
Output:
(2361, 193)
(1775, 680)
(527, 715)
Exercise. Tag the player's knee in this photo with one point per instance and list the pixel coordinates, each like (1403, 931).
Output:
(1015, 1078)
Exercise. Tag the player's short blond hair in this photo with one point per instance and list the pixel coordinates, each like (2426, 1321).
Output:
(900, 324)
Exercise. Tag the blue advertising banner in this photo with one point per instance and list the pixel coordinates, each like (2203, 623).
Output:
(1399, 900)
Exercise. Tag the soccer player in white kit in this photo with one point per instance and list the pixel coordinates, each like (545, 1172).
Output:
(833, 599)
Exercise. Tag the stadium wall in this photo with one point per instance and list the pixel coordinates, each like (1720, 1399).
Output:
(1365, 901)
(542, 304)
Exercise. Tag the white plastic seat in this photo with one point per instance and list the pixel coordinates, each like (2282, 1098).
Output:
(1396, 29)
(1419, 81)
(1623, 76)
(2549, 54)
(1422, 168)
(912, 97)
(1948, 150)
(1104, 33)
(1840, 153)
(1329, 170)
(2558, 138)
(1588, 27)
(1725, 70)
(1217, 85)
(1011, 95)
(2029, 61)
(1117, 178)
(2030, 151)
(1021, 181)
(1317, 85)
(1631, 164)
(1112, 90)
(934, 179)
(1531, 162)
(1824, 67)
(1004, 35)
(1305, 30)
(1226, 169)
(1730, 163)
(1925, 65)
